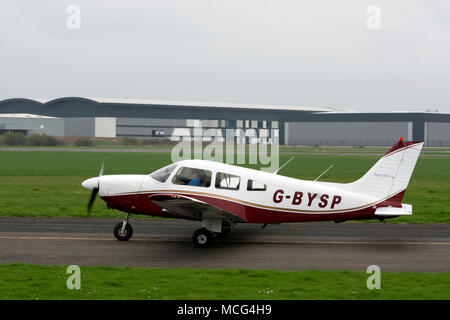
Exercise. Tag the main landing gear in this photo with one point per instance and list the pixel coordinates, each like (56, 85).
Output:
(123, 230)
(204, 237)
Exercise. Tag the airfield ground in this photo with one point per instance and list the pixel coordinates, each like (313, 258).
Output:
(19, 281)
(274, 263)
(46, 183)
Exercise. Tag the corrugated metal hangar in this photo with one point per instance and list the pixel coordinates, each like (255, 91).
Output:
(101, 117)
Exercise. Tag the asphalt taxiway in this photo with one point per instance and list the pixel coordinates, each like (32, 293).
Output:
(161, 243)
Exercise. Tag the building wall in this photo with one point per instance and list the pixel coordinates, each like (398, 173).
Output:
(437, 134)
(142, 132)
(296, 133)
(101, 127)
(50, 126)
(137, 127)
(150, 122)
(79, 127)
(346, 133)
(105, 127)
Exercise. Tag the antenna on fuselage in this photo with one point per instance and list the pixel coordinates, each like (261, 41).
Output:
(276, 172)
(323, 172)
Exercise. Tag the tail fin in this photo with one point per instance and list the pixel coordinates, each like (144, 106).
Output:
(389, 177)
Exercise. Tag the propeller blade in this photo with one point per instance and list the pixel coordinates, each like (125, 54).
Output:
(92, 200)
(95, 190)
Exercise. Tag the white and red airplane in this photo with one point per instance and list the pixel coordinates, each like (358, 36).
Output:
(221, 195)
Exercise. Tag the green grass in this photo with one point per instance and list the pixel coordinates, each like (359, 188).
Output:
(20, 281)
(47, 183)
(283, 149)
(95, 146)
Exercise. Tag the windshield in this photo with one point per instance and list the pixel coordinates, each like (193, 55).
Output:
(162, 174)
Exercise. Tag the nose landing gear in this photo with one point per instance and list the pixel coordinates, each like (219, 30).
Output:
(123, 230)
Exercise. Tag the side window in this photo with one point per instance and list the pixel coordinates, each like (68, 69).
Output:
(162, 174)
(253, 185)
(192, 177)
(227, 181)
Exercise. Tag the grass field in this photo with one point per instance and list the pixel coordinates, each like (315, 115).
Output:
(20, 281)
(283, 149)
(47, 183)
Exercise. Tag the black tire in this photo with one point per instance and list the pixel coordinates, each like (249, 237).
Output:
(128, 232)
(202, 238)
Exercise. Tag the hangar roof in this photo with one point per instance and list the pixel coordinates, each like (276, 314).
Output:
(203, 104)
(25, 115)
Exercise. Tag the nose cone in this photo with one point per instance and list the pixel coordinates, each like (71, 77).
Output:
(90, 184)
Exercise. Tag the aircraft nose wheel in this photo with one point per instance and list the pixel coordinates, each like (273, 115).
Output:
(202, 238)
(123, 233)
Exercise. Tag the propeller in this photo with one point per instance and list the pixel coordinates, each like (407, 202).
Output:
(95, 191)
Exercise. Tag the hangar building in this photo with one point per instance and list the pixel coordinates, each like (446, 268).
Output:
(31, 123)
(292, 125)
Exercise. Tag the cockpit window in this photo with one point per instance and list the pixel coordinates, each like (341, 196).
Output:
(192, 177)
(162, 174)
(227, 181)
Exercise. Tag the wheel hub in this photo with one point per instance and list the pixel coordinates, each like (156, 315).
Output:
(202, 239)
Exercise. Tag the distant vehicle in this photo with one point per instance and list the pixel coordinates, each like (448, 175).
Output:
(158, 133)
(221, 195)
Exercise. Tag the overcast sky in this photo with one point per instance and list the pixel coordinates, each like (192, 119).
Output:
(313, 53)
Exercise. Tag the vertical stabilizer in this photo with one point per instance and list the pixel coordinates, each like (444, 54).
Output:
(390, 176)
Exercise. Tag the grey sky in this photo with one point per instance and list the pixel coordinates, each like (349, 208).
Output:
(315, 53)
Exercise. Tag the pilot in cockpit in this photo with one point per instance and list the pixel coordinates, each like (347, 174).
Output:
(195, 179)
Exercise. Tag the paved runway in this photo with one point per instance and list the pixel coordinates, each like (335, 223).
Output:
(164, 243)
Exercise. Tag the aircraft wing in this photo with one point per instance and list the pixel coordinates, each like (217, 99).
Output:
(191, 208)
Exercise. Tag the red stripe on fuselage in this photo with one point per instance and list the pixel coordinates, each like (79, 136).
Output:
(140, 204)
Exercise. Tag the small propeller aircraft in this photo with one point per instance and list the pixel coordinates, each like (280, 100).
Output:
(221, 195)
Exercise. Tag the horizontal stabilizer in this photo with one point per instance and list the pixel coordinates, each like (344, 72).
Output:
(405, 210)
